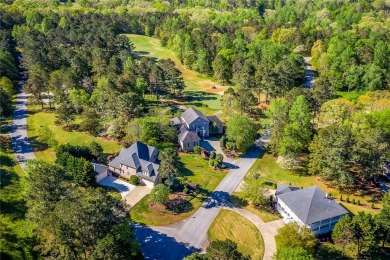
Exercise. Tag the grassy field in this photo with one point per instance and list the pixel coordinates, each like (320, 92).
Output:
(16, 232)
(265, 216)
(198, 86)
(197, 170)
(38, 118)
(270, 171)
(230, 225)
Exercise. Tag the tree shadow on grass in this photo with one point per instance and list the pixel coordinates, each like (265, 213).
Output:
(238, 201)
(37, 145)
(156, 245)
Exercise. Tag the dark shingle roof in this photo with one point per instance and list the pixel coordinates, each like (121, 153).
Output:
(191, 114)
(282, 188)
(99, 168)
(215, 119)
(188, 136)
(131, 156)
(311, 205)
(175, 121)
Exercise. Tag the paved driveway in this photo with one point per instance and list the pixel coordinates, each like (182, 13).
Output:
(134, 196)
(123, 187)
(192, 232)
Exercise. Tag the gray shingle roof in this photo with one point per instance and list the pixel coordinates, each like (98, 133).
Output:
(311, 205)
(215, 119)
(282, 188)
(175, 121)
(191, 114)
(188, 136)
(131, 156)
(99, 168)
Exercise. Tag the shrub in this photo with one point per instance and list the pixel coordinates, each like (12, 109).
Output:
(213, 163)
(353, 201)
(373, 206)
(359, 202)
(134, 179)
(219, 158)
(222, 141)
(341, 197)
(212, 155)
(197, 149)
(347, 199)
(185, 190)
(47, 136)
(160, 194)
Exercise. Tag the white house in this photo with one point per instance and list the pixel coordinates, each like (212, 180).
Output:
(310, 207)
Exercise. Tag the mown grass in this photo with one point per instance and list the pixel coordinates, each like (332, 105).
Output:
(230, 225)
(38, 118)
(194, 81)
(238, 199)
(16, 233)
(272, 172)
(197, 170)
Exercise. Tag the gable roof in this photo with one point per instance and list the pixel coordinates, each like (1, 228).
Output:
(311, 205)
(131, 156)
(191, 114)
(215, 119)
(188, 136)
(99, 168)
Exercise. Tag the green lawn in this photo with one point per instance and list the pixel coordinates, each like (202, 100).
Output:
(196, 83)
(38, 118)
(239, 200)
(16, 232)
(351, 96)
(230, 225)
(271, 172)
(197, 170)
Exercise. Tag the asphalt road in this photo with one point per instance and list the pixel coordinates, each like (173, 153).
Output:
(309, 78)
(190, 235)
(20, 144)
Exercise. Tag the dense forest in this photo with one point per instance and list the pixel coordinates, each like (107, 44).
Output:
(76, 54)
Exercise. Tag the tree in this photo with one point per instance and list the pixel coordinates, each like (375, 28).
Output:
(129, 105)
(47, 136)
(293, 235)
(44, 187)
(297, 133)
(90, 122)
(160, 194)
(278, 115)
(242, 130)
(342, 233)
(295, 253)
(253, 189)
(330, 153)
(170, 164)
(224, 250)
(222, 68)
(96, 150)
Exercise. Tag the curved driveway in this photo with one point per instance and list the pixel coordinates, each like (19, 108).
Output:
(191, 234)
(20, 144)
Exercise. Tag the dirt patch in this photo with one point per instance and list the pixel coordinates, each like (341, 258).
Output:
(156, 207)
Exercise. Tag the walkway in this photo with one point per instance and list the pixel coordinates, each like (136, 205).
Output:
(20, 144)
(268, 230)
(191, 233)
